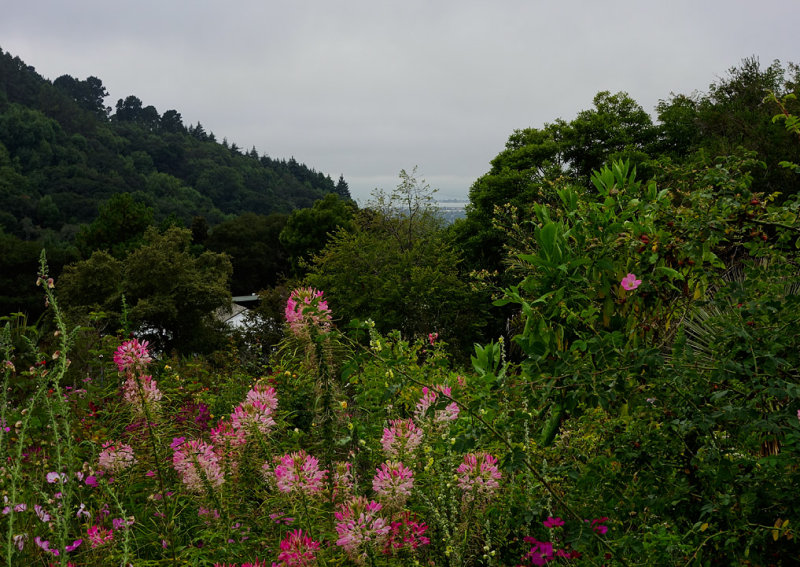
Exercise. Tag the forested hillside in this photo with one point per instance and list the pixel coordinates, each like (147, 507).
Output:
(65, 155)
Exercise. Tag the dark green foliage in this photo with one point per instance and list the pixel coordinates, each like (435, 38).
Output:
(397, 267)
(61, 140)
(307, 231)
(252, 242)
(170, 291)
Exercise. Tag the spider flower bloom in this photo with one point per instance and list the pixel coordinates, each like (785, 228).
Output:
(197, 464)
(99, 536)
(429, 397)
(630, 282)
(359, 526)
(393, 482)
(478, 475)
(263, 394)
(304, 308)
(132, 355)
(251, 416)
(401, 439)
(116, 457)
(407, 533)
(298, 472)
(225, 436)
(134, 395)
(297, 550)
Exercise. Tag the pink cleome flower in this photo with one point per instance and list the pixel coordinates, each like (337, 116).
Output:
(359, 526)
(429, 397)
(297, 472)
(297, 550)
(197, 464)
(393, 482)
(255, 413)
(406, 532)
(148, 394)
(116, 457)
(304, 308)
(478, 475)
(630, 282)
(132, 356)
(99, 536)
(401, 438)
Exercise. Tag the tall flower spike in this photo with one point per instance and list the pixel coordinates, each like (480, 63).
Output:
(305, 308)
(478, 476)
(393, 482)
(132, 356)
(298, 472)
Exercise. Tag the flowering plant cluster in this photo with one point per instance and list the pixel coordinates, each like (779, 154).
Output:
(306, 308)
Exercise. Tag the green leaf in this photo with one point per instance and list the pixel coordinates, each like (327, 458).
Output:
(670, 272)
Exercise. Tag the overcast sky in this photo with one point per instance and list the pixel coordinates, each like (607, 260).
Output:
(367, 88)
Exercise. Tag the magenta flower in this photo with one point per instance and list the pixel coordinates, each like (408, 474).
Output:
(359, 526)
(115, 457)
(541, 552)
(297, 550)
(393, 482)
(306, 308)
(598, 525)
(132, 356)
(553, 522)
(225, 435)
(197, 464)
(630, 282)
(401, 439)
(406, 533)
(99, 536)
(298, 472)
(478, 475)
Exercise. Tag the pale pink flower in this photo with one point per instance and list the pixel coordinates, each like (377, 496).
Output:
(19, 540)
(45, 545)
(429, 397)
(116, 457)
(197, 464)
(297, 550)
(250, 416)
(264, 394)
(132, 356)
(148, 394)
(478, 475)
(298, 472)
(54, 477)
(401, 438)
(359, 526)
(41, 513)
(630, 282)
(393, 482)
